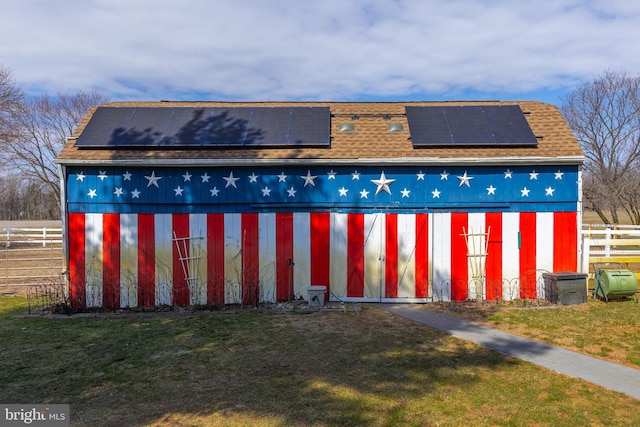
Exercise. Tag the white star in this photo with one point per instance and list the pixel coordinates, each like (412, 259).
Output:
(205, 177)
(153, 179)
(332, 174)
(187, 176)
(282, 177)
(355, 175)
(533, 175)
(291, 192)
(118, 191)
(525, 192)
(559, 174)
(230, 180)
(102, 175)
(405, 192)
(214, 192)
(549, 191)
(178, 191)
(135, 194)
(266, 191)
(92, 193)
(420, 175)
(383, 183)
(508, 174)
(308, 179)
(436, 194)
(127, 176)
(364, 194)
(342, 191)
(253, 177)
(464, 179)
(80, 176)
(444, 176)
(491, 190)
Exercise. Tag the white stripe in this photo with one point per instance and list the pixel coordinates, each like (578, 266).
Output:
(406, 256)
(267, 256)
(374, 253)
(476, 249)
(93, 259)
(301, 253)
(440, 248)
(164, 259)
(510, 255)
(338, 255)
(544, 247)
(198, 255)
(232, 258)
(128, 260)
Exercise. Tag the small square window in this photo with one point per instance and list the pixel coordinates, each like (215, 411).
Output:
(347, 127)
(395, 127)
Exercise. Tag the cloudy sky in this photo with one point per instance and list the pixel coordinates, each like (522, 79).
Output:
(317, 49)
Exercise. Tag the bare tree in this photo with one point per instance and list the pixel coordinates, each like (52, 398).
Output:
(604, 115)
(11, 96)
(42, 125)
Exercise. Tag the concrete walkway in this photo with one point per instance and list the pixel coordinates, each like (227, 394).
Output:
(606, 374)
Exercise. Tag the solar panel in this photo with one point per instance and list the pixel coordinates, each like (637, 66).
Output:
(469, 125)
(144, 127)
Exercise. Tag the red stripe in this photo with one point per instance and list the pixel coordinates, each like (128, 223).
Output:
(459, 268)
(391, 256)
(528, 255)
(565, 241)
(215, 259)
(250, 258)
(355, 255)
(180, 229)
(111, 260)
(77, 294)
(284, 256)
(494, 256)
(422, 255)
(320, 229)
(146, 260)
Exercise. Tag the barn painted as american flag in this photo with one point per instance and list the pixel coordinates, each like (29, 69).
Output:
(211, 203)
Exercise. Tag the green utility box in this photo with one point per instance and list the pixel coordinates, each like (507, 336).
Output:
(565, 288)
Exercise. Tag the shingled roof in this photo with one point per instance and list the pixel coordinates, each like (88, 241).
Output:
(370, 143)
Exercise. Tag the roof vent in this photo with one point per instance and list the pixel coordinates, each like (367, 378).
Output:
(395, 127)
(347, 127)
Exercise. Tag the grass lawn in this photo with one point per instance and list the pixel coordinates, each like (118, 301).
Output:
(328, 367)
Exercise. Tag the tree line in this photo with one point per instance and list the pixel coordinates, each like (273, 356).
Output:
(604, 115)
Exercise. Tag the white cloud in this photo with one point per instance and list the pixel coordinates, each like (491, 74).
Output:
(325, 49)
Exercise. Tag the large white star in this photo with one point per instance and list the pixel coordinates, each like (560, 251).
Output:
(491, 190)
(178, 191)
(464, 179)
(309, 179)
(436, 194)
(383, 183)
(231, 180)
(549, 191)
(405, 192)
(153, 179)
(525, 192)
(342, 191)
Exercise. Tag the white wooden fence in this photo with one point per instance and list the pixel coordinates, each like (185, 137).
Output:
(30, 256)
(619, 245)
